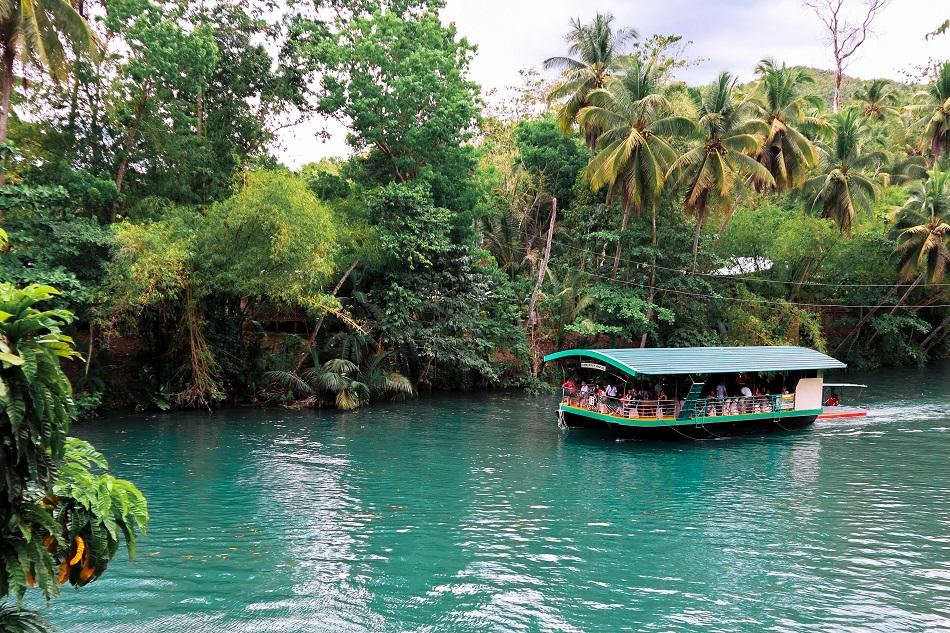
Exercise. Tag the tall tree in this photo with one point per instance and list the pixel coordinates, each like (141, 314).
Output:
(725, 157)
(41, 32)
(633, 153)
(397, 77)
(595, 51)
(158, 87)
(786, 153)
(845, 37)
(844, 185)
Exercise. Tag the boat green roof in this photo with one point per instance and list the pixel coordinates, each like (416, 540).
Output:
(705, 360)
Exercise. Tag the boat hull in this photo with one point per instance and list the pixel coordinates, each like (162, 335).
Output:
(841, 412)
(691, 429)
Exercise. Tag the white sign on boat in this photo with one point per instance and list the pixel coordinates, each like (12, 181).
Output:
(594, 366)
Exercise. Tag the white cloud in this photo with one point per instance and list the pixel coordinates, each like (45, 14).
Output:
(731, 35)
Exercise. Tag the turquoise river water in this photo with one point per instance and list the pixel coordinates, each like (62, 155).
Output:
(475, 513)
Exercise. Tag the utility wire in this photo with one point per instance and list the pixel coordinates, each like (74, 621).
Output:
(775, 301)
(683, 271)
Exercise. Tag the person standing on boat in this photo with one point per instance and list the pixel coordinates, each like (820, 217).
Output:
(746, 401)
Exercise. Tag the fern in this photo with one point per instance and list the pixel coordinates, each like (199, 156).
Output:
(13, 620)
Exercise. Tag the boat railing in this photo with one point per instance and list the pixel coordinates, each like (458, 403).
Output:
(742, 405)
(665, 408)
(622, 407)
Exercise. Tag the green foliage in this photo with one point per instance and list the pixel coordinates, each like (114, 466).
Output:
(96, 507)
(54, 510)
(397, 77)
(445, 313)
(596, 52)
(787, 153)
(845, 186)
(551, 156)
(285, 235)
(922, 228)
(339, 381)
(35, 394)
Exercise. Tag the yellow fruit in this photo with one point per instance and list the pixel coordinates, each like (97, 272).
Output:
(63, 573)
(80, 548)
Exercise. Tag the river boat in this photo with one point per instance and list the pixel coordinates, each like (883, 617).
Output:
(694, 392)
(834, 408)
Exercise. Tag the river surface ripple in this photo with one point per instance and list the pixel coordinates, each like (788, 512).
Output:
(475, 513)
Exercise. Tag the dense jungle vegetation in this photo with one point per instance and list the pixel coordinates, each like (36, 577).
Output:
(154, 246)
(604, 203)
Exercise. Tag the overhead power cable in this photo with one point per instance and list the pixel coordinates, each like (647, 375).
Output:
(686, 271)
(774, 301)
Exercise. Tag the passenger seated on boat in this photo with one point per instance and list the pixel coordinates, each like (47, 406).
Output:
(625, 401)
(788, 400)
(832, 400)
(569, 386)
(612, 391)
(585, 388)
(721, 392)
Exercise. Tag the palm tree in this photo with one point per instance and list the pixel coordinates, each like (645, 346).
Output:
(936, 113)
(922, 229)
(877, 100)
(844, 185)
(340, 380)
(594, 52)
(39, 31)
(729, 140)
(786, 152)
(632, 156)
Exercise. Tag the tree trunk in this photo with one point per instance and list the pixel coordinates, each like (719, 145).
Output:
(6, 90)
(652, 295)
(130, 135)
(536, 357)
(725, 222)
(623, 227)
(836, 100)
(899, 302)
(697, 233)
(316, 329)
(543, 268)
(89, 352)
(935, 336)
(870, 313)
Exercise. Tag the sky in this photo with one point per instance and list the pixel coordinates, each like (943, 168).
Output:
(728, 35)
